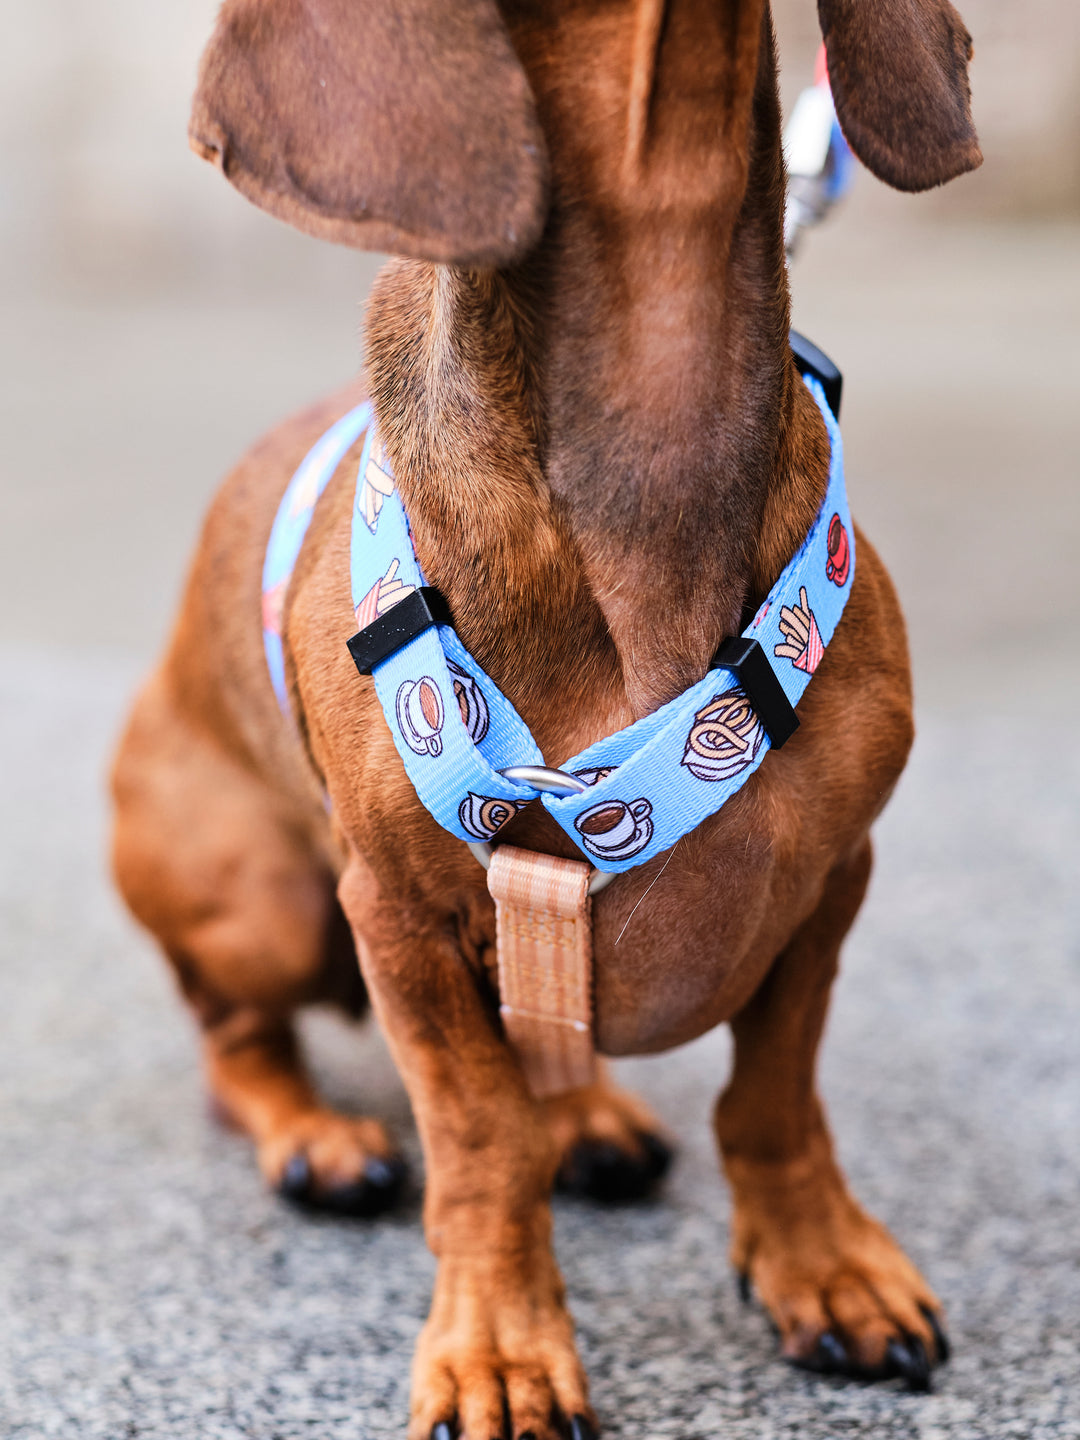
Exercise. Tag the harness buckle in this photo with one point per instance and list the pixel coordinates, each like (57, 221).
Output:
(749, 664)
(389, 633)
(809, 360)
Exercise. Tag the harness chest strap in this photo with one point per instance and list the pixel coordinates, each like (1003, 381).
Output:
(543, 938)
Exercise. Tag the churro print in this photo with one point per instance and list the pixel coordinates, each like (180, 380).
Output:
(802, 643)
(387, 592)
(378, 484)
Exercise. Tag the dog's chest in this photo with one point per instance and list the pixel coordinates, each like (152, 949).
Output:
(679, 946)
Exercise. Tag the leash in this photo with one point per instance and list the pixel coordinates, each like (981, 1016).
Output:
(474, 763)
(819, 163)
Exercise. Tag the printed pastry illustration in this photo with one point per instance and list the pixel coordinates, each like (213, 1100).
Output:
(802, 639)
(475, 715)
(420, 715)
(484, 815)
(838, 564)
(724, 739)
(383, 596)
(613, 830)
(378, 483)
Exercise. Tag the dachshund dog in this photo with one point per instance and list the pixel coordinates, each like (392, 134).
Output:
(580, 369)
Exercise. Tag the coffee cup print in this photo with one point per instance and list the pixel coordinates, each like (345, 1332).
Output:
(420, 715)
(838, 564)
(475, 715)
(725, 738)
(483, 816)
(613, 830)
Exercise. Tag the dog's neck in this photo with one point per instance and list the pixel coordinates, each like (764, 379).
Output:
(605, 454)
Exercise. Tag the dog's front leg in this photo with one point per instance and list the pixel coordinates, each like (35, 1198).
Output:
(496, 1356)
(844, 1295)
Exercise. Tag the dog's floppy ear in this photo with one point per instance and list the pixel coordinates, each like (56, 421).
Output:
(404, 125)
(898, 70)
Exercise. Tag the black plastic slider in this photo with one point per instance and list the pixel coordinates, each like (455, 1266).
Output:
(809, 360)
(749, 664)
(410, 617)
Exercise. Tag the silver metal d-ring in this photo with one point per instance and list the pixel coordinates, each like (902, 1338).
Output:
(482, 850)
(541, 777)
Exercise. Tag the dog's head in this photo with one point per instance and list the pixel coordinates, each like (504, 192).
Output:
(412, 126)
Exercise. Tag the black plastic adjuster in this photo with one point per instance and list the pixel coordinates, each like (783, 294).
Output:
(410, 617)
(809, 360)
(749, 664)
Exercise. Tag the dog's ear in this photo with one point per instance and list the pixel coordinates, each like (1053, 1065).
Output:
(404, 125)
(898, 70)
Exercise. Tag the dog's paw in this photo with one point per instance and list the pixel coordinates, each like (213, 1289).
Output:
(844, 1296)
(496, 1359)
(333, 1162)
(610, 1145)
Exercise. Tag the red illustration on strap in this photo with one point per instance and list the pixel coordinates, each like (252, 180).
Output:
(838, 565)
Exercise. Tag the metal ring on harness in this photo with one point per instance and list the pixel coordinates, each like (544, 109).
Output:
(555, 782)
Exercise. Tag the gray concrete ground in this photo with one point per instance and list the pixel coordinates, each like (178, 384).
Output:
(150, 1288)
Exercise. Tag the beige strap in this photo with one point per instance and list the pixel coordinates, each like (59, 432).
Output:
(543, 936)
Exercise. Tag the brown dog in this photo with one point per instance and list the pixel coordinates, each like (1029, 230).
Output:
(583, 382)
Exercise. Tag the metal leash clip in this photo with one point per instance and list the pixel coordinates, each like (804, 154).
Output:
(819, 162)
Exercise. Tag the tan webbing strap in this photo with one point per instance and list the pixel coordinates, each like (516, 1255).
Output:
(543, 934)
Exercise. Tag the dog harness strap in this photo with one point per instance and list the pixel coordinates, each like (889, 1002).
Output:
(460, 738)
(291, 525)
(643, 788)
(543, 930)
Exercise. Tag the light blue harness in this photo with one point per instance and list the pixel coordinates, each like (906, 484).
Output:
(636, 792)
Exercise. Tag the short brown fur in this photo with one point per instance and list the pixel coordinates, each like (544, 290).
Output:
(607, 458)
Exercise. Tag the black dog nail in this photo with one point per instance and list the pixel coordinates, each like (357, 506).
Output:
(296, 1178)
(831, 1355)
(581, 1429)
(919, 1379)
(442, 1431)
(742, 1279)
(907, 1358)
(384, 1172)
(658, 1154)
(941, 1339)
(602, 1170)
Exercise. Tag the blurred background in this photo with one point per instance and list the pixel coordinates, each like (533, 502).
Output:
(156, 323)
(153, 325)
